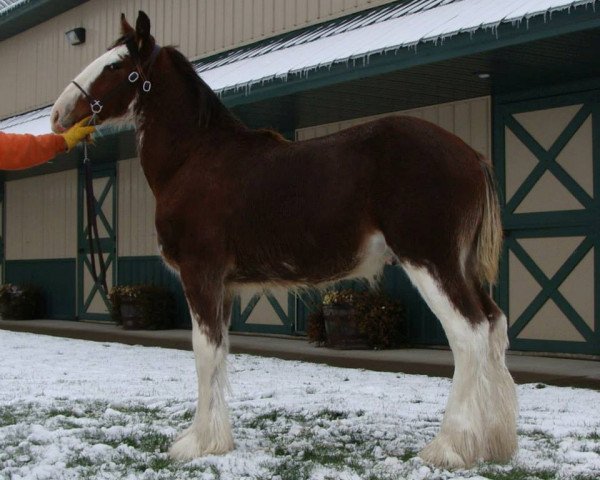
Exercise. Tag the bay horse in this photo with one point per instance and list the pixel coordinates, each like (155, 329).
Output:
(237, 207)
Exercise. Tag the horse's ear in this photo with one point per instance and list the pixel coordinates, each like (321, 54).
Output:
(125, 27)
(142, 28)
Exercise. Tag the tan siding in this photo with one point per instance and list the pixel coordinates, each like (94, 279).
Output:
(137, 235)
(469, 119)
(38, 63)
(41, 217)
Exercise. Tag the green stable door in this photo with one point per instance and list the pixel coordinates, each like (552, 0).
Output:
(92, 302)
(547, 153)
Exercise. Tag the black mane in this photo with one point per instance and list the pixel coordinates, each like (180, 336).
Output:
(209, 107)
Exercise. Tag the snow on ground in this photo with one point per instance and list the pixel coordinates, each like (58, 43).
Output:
(76, 409)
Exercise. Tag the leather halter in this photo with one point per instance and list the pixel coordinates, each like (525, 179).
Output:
(96, 105)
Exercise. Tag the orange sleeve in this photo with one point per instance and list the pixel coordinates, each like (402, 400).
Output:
(19, 151)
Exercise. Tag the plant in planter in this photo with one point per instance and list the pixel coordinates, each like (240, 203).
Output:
(341, 322)
(21, 302)
(358, 319)
(382, 319)
(147, 307)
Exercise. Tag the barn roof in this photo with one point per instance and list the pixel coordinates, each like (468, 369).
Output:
(7, 5)
(386, 30)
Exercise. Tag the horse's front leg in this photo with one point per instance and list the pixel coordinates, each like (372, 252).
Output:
(210, 432)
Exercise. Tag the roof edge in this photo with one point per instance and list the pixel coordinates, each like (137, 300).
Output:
(458, 45)
(29, 14)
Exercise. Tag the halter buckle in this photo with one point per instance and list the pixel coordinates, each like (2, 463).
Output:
(96, 107)
(133, 77)
(146, 86)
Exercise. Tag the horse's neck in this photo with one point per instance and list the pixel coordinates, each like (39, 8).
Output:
(161, 150)
(169, 133)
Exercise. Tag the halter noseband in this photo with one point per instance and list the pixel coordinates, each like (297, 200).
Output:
(96, 104)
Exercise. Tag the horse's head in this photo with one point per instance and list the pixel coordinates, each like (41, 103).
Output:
(113, 79)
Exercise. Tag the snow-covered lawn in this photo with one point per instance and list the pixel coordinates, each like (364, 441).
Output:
(76, 409)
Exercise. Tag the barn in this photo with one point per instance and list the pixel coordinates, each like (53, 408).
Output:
(517, 80)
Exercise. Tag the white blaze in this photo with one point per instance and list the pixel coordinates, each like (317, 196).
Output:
(68, 98)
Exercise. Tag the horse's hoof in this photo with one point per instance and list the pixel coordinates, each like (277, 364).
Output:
(443, 454)
(192, 445)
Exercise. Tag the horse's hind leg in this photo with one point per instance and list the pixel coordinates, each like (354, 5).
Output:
(501, 428)
(210, 431)
(479, 422)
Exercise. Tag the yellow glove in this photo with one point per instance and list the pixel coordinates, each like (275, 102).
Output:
(78, 132)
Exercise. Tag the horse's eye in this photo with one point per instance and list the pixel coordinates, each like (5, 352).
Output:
(115, 66)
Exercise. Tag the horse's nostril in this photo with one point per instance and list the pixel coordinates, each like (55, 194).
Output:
(54, 118)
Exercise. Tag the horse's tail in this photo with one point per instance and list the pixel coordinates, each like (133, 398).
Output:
(489, 236)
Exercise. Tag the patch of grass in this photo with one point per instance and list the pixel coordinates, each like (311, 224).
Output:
(65, 412)
(160, 463)
(215, 471)
(519, 474)
(325, 456)
(8, 417)
(139, 410)
(68, 424)
(331, 415)
(188, 415)
(79, 461)
(291, 470)
(148, 441)
(280, 451)
(301, 467)
(261, 421)
(13, 415)
(540, 386)
(356, 438)
(407, 455)
(540, 434)
(154, 442)
(593, 436)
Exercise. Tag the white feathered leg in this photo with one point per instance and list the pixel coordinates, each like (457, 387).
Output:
(501, 423)
(471, 428)
(210, 432)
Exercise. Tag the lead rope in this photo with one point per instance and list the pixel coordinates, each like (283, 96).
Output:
(92, 224)
(91, 204)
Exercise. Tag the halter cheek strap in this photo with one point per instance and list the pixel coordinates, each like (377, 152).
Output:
(96, 105)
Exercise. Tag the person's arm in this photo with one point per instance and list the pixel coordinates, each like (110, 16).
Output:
(19, 151)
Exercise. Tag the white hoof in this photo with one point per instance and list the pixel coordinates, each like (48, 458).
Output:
(193, 444)
(445, 453)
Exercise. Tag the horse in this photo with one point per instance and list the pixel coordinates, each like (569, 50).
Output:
(238, 207)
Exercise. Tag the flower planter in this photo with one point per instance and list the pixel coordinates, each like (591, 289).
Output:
(132, 315)
(342, 327)
(21, 302)
(142, 307)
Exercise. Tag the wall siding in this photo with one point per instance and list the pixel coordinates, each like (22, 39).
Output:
(38, 63)
(56, 278)
(41, 217)
(136, 204)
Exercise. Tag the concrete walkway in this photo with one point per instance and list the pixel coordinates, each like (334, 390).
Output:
(436, 362)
